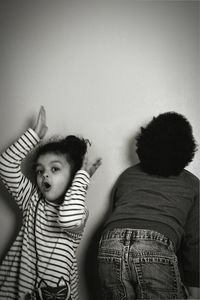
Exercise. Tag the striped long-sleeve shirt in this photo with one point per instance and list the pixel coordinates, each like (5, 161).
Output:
(44, 250)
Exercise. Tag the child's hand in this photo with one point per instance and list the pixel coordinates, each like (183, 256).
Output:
(91, 167)
(40, 128)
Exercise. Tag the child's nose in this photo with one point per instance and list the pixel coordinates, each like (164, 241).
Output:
(45, 175)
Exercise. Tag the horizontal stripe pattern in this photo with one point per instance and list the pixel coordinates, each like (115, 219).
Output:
(54, 231)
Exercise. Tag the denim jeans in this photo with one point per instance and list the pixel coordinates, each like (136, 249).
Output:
(138, 264)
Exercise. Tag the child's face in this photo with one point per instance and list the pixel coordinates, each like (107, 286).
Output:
(53, 174)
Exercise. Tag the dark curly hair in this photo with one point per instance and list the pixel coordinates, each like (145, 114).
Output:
(166, 145)
(74, 149)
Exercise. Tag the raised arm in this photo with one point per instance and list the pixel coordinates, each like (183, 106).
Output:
(11, 159)
(73, 212)
(10, 167)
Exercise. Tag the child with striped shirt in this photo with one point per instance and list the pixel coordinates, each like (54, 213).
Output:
(41, 263)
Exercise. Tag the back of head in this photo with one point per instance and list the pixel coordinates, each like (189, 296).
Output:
(166, 145)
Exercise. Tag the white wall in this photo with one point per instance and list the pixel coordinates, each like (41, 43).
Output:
(102, 69)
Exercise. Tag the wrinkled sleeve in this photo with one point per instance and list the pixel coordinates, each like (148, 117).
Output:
(10, 167)
(190, 248)
(73, 212)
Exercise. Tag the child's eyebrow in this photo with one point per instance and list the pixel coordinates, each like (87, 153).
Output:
(51, 162)
(55, 161)
(37, 165)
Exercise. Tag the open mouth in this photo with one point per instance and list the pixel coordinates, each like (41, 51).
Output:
(46, 186)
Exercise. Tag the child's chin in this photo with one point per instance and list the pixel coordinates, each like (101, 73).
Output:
(55, 201)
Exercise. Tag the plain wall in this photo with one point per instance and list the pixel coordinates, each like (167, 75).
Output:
(102, 69)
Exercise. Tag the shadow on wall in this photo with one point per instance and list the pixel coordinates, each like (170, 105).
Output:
(90, 265)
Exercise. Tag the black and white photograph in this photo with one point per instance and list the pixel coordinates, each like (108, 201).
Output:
(99, 149)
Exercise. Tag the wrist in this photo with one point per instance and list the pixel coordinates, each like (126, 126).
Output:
(85, 172)
(34, 133)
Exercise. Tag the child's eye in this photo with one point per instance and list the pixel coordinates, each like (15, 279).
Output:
(39, 172)
(55, 169)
